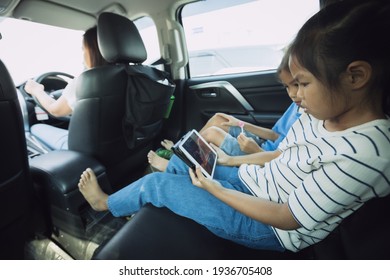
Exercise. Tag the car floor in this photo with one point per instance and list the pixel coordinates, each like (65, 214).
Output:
(81, 245)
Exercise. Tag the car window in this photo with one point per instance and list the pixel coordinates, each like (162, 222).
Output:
(29, 49)
(148, 32)
(242, 35)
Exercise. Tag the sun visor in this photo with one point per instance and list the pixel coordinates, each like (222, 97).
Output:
(72, 19)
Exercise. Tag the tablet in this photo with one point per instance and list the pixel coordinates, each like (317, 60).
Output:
(195, 151)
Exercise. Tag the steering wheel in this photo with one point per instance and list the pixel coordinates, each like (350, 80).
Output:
(55, 94)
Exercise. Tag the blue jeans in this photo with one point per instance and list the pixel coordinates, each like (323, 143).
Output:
(173, 189)
(54, 137)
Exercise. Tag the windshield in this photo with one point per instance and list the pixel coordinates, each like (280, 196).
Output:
(29, 49)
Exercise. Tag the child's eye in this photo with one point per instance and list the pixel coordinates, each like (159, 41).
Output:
(303, 84)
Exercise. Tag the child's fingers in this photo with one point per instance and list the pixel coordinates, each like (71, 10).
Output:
(196, 176)
(215, 147)
(199, 174)
(193, 177)
(242, 137)
(219, 151)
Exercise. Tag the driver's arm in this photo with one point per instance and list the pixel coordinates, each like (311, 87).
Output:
(57, 108)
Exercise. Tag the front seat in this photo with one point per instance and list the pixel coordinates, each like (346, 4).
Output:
(105, 98)
(15, 181)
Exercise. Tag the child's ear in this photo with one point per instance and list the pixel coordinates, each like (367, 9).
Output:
(359, 74)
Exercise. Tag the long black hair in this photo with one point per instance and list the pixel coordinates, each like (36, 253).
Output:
(90, 42)
(344, 32)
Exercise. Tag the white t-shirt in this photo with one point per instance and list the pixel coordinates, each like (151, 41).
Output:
(69, 93)
(323, 176)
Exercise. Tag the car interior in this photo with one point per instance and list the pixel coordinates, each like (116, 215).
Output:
(43, 215)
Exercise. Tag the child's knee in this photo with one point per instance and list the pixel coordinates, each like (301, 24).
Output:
(215, 120)
(207, 133)
(213, 135)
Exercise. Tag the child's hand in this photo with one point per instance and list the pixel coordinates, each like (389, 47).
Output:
(222, 157)
(200, 181)
(248, 145)
(230, 120)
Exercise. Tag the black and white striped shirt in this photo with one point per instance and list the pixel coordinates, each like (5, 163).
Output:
(323, 176)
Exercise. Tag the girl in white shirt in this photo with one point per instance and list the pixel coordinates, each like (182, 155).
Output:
(335, 157)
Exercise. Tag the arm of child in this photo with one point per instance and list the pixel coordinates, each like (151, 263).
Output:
(259, 158)
(262, 132)
(275, 214)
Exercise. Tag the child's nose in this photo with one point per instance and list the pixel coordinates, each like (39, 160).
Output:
(299, 93)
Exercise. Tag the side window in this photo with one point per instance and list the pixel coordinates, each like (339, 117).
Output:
(148, 32)
(226, 37)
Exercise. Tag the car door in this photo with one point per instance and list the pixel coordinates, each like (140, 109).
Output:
(255, 97)
(234, 49)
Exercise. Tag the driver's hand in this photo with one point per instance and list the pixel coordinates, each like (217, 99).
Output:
(32, 87)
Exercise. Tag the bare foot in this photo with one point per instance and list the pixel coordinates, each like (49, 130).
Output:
(90, 189)
(157, 162)
(167, 144)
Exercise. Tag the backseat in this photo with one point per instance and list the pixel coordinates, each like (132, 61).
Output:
(158, 233)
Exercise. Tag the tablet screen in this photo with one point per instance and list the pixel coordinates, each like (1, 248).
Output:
(200, 153)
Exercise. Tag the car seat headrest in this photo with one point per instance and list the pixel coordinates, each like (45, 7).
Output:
(119, 39)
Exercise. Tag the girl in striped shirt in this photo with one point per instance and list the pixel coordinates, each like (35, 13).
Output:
(334, 158)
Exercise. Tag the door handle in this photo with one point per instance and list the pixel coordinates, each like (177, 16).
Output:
(225, 86)
(209, 94)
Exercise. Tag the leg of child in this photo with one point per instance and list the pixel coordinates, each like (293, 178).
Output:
(215, 121)
(177, 193)
(167, 144)
(214, 135)
(90, 189)
(157, 162)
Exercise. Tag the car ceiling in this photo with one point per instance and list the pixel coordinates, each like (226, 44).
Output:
(81, 14)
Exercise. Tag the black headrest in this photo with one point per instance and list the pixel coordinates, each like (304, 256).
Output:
(119, 40)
